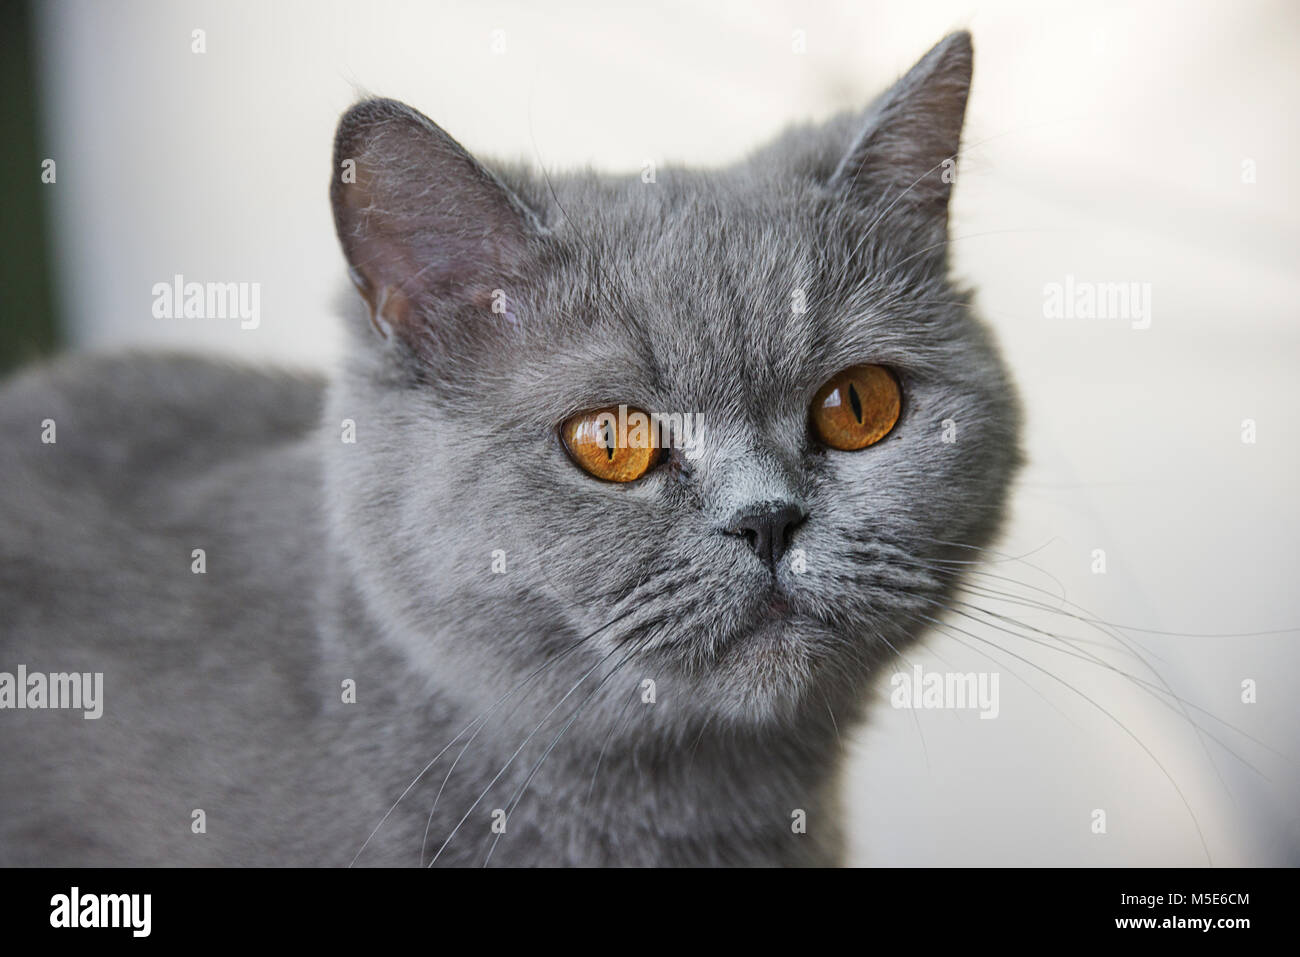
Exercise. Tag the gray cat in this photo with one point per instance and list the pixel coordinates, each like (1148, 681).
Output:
(428, 611)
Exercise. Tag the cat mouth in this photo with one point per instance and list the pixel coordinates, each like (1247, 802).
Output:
(771, 613)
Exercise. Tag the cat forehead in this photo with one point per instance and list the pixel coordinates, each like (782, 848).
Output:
(722, 341)
(712, 272)
(688, 219)
(699, 252)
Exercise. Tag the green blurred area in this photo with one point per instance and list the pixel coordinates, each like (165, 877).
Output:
(27, 324)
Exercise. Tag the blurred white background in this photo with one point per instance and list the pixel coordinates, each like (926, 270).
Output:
(1104, 141)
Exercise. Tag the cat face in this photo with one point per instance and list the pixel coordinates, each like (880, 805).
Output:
(764, 569)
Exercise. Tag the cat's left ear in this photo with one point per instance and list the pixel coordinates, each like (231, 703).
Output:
(904, 159)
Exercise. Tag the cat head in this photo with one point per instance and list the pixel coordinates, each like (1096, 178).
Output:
(853, 430)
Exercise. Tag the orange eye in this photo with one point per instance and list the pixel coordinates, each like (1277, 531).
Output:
(609, 447)
(857, 408)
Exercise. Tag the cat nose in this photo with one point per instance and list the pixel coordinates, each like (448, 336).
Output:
(767, 528)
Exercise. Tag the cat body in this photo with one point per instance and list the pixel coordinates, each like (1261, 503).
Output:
(227, 696)
(386, 619)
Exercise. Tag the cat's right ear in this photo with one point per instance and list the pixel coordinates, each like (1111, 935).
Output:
(424, 226)
(904, 160)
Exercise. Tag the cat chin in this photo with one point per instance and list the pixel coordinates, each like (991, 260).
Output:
(769, 672)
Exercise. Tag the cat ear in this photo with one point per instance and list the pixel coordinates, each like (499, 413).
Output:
(421, 222)
(905, 155)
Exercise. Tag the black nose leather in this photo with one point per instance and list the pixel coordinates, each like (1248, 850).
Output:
(767, 528)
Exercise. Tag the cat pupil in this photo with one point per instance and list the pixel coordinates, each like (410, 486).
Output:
(856, 402)
(609, 442)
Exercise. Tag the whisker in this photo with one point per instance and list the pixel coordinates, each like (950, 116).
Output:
(618, 724)
(1120, 724)
(523, 788)
(416, 780)
(518, 750)
(1153, 690)
(482, 724)
(944, 625)
(1106, 630)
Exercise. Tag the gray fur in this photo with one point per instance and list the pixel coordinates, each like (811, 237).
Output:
(372, 561)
